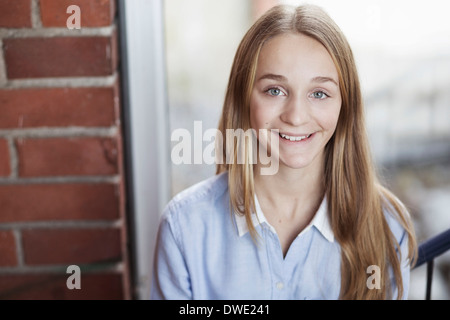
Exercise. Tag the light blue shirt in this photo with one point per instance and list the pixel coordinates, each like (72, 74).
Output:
(206, 252)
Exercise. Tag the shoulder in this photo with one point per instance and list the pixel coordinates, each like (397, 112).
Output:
(398, 219)
(394, 217)
(205, 191)
(202, 198)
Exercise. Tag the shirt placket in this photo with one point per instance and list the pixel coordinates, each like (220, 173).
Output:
(280, 288)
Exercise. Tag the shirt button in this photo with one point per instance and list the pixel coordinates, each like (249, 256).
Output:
(280, 285)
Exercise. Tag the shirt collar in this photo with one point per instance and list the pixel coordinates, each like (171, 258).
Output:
(320, 221)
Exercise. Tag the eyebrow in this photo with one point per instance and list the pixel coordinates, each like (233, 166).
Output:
(272, 76)
(278, 77)
(324, 79)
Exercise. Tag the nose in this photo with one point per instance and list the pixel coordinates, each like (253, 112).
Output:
(296, 111)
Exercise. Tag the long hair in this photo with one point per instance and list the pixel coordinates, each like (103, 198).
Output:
(356, 200)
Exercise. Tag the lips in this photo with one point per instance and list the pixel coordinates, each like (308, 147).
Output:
(295, 138)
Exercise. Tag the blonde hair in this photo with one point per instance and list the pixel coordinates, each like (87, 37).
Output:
(356, 200)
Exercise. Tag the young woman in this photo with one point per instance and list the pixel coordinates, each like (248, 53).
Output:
(321, 226)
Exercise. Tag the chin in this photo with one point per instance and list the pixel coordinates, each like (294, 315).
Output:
(295, 163)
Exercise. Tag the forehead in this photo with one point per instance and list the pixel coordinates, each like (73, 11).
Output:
(295, 56)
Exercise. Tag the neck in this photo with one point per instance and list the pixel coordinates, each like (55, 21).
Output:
(291, 188)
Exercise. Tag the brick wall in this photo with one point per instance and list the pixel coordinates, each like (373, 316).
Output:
(62, 196)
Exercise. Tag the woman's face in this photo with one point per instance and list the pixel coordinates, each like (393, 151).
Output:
(296, 91)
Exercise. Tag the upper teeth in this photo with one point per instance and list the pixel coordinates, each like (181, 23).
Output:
(285, 136)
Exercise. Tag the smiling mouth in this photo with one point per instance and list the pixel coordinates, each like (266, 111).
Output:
(294, 138)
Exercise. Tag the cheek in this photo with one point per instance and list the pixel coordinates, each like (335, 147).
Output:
(328, 119)
(333, 120)
(260, 116)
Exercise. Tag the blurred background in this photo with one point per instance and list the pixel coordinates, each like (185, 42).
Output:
(402, 50)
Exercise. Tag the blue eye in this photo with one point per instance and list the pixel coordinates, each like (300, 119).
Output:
(274, 91)
(319, 95)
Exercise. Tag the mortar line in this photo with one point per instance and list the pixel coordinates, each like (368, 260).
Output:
(112, 179)
(35, 14)
(60, 132)
(63, 82)
(63, 224)
(13, 158)
(52, 32)
(3, 73)
(19, 248)
(87, 268)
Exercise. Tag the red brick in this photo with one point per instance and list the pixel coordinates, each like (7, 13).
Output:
(60, 57)
(47, 202)
(94, 13)
(8, 256)
(58, 107)
(71, 246)
(5, 167)
(101, 286)
(15, 13)
(67, 156)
